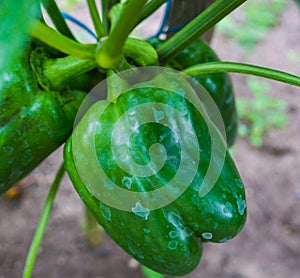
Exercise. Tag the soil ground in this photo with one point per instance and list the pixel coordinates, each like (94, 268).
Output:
(269, 244)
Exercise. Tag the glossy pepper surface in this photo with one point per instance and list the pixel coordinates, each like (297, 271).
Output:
(218, 85)
(33, 123)
(166, 238)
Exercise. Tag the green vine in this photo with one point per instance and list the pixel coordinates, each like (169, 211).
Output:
(244, 69)
(51, 37)
(197, 27)
(40, 230)
(108, 56)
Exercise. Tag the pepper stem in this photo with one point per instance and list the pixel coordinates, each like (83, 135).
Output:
(62, 70)
(106, 55)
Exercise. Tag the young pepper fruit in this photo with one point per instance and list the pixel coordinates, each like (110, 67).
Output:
(33, 123)
(168, 238)
(218, 85)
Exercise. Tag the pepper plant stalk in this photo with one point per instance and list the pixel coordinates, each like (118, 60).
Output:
(51, 37)
(215, 67)
(197, 27)
(108, 56)
(100, 31)
(57, 18)
(150, 8)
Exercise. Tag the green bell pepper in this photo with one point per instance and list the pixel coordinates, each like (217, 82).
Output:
(168, 237)
(33, 123)
(218, 85)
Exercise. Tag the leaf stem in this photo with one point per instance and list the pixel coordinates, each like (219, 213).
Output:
(53, 38)
(57, 18)
(207, 19)
(150, 8)
(108, 56)
(40, 230)
(215, 67)
(99, 29)
(105, 9)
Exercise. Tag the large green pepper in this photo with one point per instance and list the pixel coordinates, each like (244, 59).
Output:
(218, 85)
(167, 238)
(33, 123)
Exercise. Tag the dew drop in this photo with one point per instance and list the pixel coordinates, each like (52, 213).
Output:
(140, 211)
(239, 183)
(126, 181)
(158, 115)
(173, 245)
(225, 239)
(147, 231)
(173, 234)
(187, 253)
(241, 205)
(227, 209)
(105, 210)
(187, 231)
(207, 235)
(176, 220)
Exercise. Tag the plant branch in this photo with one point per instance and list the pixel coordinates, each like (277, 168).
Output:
(150, 8)
(197, 27)
(53, 38)
(215, 67)
(100, 31)
(57, 18)
(40, 230)
(108, 56)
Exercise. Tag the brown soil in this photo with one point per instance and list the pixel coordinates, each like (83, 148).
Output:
(268, 246)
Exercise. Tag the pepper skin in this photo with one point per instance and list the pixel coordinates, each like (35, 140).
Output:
(33, 123)
(218, 85)
(167, 239)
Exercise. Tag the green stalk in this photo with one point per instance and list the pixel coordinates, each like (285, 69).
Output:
(215, 67)
(197, 27)
(40, 230)
(96, 19)
(122, 65)
(150, 8)
(64, 44)
(57, 18)
(105, 10)
(94, 232)
(109, 54)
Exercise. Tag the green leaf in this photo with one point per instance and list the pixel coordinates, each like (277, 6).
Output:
(15, 20)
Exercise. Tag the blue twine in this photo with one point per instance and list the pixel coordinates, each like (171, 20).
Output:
(165, 21)
(159, 32)
(80, 24)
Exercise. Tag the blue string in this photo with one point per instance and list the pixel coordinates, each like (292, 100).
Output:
(165, 22)
(160, 31)
(165, 19)
(175, 28)
(80, 24)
